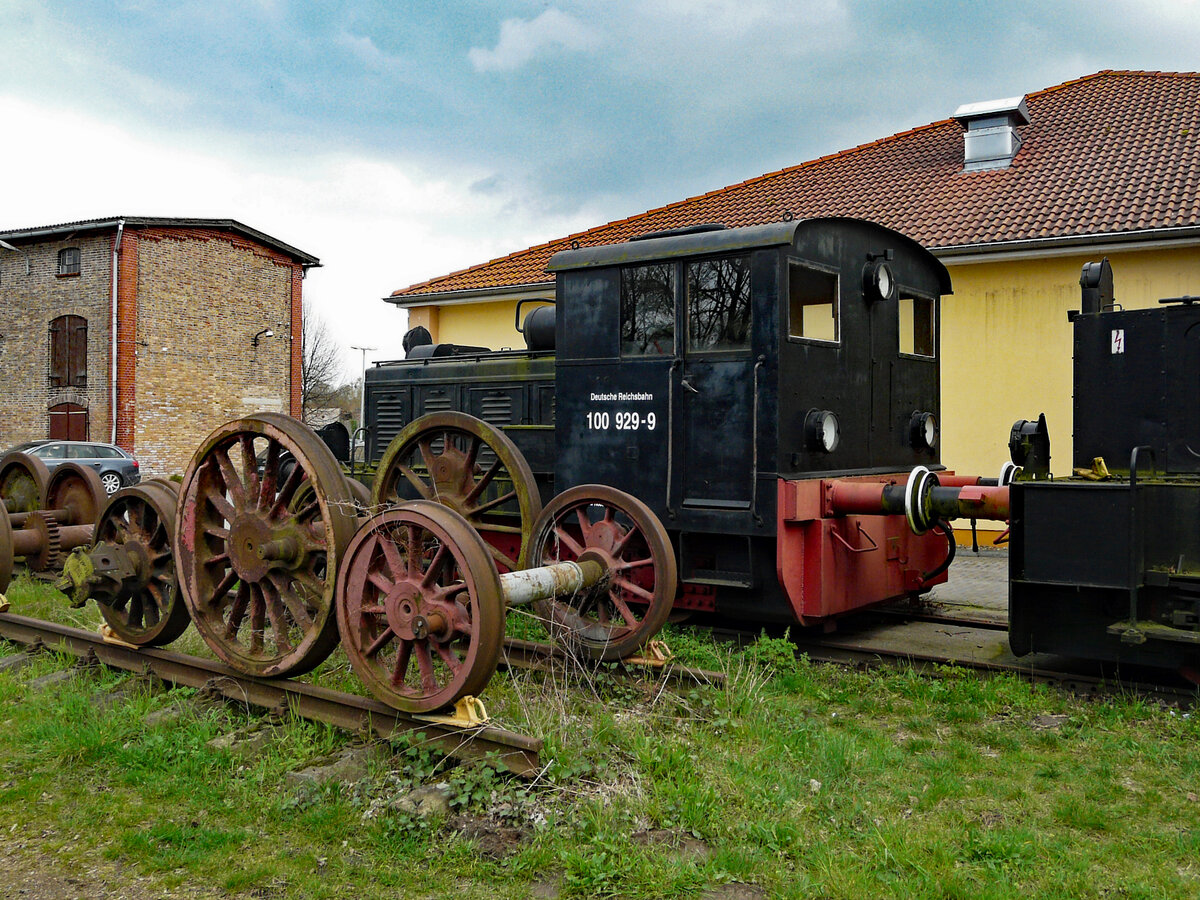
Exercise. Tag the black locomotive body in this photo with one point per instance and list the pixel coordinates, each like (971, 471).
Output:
(1110, 569)
(722, 376)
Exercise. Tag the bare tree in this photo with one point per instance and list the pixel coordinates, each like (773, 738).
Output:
(320, 365)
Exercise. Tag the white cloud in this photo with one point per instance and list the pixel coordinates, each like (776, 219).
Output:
(376, 224)
(366, 51)
(520, 41)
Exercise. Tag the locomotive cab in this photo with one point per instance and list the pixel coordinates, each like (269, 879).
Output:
(721, 374)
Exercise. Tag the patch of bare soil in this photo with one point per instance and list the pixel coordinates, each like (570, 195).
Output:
(30, 873)
(493, 840)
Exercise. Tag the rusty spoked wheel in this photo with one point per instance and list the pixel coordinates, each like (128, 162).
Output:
(420, 608)
(7, 552)
(258, 575)
(619, 618)
(74, 495)
(23, 481)
(142, 605)
(470, 466)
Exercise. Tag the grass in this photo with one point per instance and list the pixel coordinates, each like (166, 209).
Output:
(800, 779)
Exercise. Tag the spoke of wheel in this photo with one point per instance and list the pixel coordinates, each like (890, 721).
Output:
(306, 511)
(391, 553)
(402, 657)
(484, 480)
(380, 642)
(472, 454)
(237, 612)
(635, 564)
(426, 448)
(233, 484)
(299, 611)
(277, 618)
(500, 556)
(620, 545)
(221, 505)
(634, 589)
(492, 504)
(257, 622)
(584, 525)
(223, 587)
(377, 578)
(413, 547)
(266, 489)
(423, 488)
(453, 663)
(425, 666)
(287, 491)
(565, 537)
(249, 466)
(630, 619)
(439, 560)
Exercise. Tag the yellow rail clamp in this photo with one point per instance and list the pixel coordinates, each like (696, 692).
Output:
(468, 712)
(656, 653)
(3, 603)
(110, 637)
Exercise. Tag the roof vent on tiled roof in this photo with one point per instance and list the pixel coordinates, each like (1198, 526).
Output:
(990, 136)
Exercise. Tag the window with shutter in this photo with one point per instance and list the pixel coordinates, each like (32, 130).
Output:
(68, 352)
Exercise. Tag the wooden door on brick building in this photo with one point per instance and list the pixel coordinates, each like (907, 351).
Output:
(68, 422)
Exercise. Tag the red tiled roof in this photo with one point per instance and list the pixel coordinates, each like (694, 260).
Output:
(1109, 153)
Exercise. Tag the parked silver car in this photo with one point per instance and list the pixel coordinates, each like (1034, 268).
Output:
(115, 467)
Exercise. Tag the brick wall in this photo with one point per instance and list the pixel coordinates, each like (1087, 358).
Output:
(28, 303)
(201, 298)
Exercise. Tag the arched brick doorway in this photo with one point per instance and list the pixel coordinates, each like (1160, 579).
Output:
(68, 422)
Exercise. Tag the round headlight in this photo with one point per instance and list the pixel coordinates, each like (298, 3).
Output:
(878, 281)
(821, 431)
(923, 430)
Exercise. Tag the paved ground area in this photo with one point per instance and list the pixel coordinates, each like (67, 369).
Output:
(978, 585)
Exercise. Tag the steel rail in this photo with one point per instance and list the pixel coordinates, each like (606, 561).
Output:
(522, 654)
(844, 652)
(517, 753)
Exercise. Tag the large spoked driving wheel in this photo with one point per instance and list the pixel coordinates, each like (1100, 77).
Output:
(257, 572)
(419, 607)
(23, 480)
(143, 607)
(470, 466)
(619, 619)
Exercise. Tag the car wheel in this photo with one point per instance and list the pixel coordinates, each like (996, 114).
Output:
(111, 482)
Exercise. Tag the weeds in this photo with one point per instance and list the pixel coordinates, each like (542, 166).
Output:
(799, 779)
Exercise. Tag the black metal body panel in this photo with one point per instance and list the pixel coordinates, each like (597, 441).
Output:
(509, 389)
(728, 423)
(1137, 374)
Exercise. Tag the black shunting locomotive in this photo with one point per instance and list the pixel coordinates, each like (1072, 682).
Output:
(724, 377)
(1106, 564)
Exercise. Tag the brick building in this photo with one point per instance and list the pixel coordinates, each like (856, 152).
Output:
(146, 332)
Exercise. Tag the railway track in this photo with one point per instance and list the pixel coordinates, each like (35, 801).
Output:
(518, 753)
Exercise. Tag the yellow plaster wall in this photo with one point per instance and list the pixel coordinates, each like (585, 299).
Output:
(482, 324)
(1006, 345)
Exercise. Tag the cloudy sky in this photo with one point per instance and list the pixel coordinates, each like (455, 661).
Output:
(401, 140)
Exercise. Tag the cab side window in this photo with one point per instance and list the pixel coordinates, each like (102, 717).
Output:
(718, 304)
(812, 304)
(916, 326)
(648, 310)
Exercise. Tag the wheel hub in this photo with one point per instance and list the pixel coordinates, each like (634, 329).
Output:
(411, 616)
(247, 537)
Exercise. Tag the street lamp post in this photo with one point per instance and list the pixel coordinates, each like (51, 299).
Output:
(362, 403)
